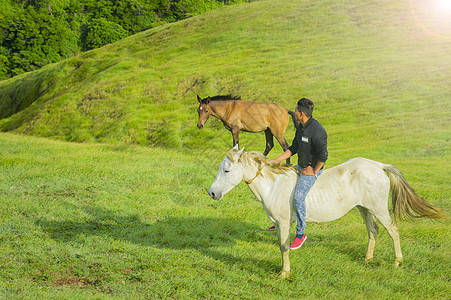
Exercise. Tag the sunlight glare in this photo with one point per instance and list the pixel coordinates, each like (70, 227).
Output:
(444, 6)
(442, 10)
(433, 16)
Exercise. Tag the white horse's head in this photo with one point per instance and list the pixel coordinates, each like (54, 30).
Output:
(230, 174)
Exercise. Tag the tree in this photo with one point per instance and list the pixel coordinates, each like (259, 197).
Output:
(100, 32)
(4, 63)
(32, 39)
(34, 33)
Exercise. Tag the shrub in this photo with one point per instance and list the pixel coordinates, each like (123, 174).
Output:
(100, 32)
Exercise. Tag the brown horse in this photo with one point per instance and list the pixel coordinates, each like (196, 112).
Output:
(250, 116)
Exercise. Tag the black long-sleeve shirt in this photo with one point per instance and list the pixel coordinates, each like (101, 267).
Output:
(310, 144)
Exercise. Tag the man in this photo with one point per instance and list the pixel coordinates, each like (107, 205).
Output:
(310, 144)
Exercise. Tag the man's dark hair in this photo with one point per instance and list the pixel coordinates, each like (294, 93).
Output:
(306, 106)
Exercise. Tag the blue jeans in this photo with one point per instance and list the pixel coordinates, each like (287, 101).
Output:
(303, 186)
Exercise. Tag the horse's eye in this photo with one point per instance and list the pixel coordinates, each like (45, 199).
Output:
(206, 110)
(226, 171)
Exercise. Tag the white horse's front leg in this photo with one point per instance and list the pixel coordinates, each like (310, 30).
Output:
(283, 234)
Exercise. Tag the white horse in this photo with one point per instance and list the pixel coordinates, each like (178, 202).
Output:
(358, 182)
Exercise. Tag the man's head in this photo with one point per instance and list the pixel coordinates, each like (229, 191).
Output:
(306, 106)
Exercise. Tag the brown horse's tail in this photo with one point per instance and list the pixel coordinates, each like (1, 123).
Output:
(406, 203)
(293, 116)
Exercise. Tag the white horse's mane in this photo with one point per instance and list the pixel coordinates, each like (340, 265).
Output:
(268, 167)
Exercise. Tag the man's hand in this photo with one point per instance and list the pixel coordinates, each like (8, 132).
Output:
(308, 171)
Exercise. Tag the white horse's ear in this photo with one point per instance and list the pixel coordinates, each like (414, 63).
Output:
(235, 153)
(241, 151)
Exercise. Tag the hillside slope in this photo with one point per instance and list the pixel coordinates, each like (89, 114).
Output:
(378, 79)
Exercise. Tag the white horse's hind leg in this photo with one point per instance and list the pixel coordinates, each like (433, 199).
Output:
(372, 228)
(386, 221)
(283, 234)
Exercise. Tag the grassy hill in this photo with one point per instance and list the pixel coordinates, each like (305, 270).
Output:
(376, 76)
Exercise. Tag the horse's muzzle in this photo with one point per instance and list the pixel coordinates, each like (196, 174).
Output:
(215, 196)
(200, 126)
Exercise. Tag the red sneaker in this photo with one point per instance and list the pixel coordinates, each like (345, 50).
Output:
(272, 228)
(297, 243)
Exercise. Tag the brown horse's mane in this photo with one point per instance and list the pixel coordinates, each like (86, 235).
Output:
(222, 98)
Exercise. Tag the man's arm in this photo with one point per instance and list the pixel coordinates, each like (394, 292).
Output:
(318, 167)
(312, 172)
(320, 143)
(287, 154)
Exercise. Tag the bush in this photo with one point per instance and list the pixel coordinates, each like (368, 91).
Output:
(100, 32)
(4, 63)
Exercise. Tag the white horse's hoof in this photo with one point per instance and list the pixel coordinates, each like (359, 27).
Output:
(367, 259)
(284, 274)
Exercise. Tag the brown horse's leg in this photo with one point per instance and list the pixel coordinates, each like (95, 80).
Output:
(285, 148)
(236, 136)
(269, 141)
(284, 144)
(279, 133)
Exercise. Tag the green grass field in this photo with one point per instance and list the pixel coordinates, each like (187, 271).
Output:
(104, 174)
(104, 221)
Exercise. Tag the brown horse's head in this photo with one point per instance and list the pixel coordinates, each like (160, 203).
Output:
(204, 111)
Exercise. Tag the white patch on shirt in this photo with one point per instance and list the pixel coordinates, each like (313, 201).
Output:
(305, 139)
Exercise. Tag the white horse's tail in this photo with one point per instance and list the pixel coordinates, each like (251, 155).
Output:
(406, 203)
